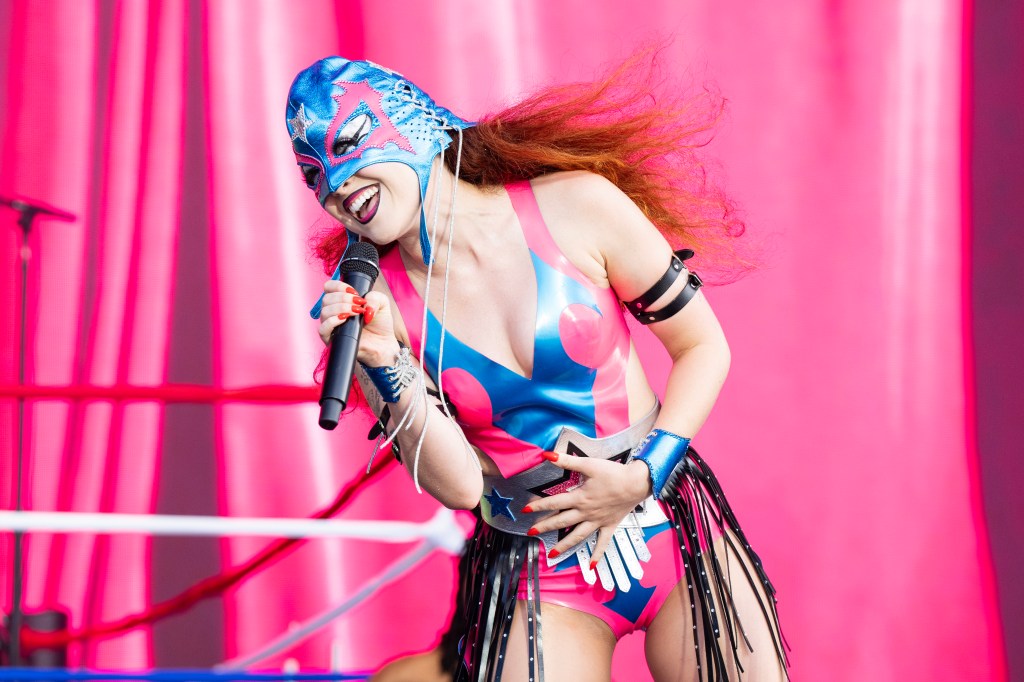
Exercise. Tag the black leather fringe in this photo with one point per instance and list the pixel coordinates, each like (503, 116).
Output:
(710, 596)
(488, 585)
(493, 562)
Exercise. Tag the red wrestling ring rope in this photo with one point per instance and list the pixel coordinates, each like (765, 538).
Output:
(206, 588)
(168, 393)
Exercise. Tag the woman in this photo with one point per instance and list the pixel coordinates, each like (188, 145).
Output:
(531, 401)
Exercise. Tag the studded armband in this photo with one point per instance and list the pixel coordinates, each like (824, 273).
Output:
(662, 452)
(638, 306)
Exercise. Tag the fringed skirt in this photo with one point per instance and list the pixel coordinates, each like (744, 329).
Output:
(495, 564)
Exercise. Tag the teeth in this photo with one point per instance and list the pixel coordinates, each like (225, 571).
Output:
(361, 200)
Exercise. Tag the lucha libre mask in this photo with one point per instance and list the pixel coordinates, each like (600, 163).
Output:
(345, 115)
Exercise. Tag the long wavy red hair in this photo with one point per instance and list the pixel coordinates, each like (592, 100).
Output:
(631, 127)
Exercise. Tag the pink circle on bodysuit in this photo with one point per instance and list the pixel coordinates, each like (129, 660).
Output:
(472, 399)
(586, 336)
(476, 415)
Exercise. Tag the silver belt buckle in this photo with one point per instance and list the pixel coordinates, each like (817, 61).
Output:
(625, 554)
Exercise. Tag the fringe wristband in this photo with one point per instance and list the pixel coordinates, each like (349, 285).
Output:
(662, 452)
(391, 381)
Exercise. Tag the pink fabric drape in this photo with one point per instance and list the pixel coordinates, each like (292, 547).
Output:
(93, 124)
(843, 434)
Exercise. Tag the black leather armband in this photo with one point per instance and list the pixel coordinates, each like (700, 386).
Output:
(445, 402)
(638, 306)
(379, 427)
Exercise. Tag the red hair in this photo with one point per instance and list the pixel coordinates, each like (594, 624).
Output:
(630, 127)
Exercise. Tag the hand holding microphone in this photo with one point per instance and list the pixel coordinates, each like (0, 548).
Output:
(359, 270)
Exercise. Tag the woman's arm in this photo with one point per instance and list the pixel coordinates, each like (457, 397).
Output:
(635, 256)
(448, 469)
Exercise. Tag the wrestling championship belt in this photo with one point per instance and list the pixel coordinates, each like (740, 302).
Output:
(626, 553)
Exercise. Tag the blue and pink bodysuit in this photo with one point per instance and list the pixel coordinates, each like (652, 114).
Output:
(574, 400)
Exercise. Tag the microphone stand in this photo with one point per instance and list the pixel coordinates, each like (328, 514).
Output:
(27, 210)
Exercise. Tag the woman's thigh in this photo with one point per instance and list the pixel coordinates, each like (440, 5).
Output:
(669, 645)
(577, 646)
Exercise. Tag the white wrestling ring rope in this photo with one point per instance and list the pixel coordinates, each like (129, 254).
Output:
(441, 530)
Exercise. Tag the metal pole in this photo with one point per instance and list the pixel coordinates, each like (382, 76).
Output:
(25, 222)
(27, 212)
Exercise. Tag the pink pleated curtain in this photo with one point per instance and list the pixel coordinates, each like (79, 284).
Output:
(844, 433)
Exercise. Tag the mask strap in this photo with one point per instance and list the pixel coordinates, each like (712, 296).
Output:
(444, 303)
(422, 386)
(421, 383)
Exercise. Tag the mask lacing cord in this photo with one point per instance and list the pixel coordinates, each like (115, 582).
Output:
(444, 305)
(421, 383)
(409, 411)
(405, 93)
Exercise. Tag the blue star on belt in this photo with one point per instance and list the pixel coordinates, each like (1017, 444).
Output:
(499, 504)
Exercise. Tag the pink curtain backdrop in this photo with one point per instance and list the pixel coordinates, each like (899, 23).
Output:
(844, 434)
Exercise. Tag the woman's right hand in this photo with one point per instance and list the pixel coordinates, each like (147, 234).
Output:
(378, 345)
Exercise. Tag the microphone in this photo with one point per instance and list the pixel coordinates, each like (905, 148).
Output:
(359, 269)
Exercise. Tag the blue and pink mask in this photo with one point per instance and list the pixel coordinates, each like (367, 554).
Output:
(345, 115)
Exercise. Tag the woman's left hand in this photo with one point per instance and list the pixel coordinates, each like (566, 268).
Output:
(608, 492)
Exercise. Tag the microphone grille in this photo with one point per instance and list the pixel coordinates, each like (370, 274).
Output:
(361, 257)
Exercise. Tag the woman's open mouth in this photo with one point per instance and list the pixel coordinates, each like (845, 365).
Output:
(363, 203)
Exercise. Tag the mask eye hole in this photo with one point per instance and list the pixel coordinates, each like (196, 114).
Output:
(311, 175)
(353, 134)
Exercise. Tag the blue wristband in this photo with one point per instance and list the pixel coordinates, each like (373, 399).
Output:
(391, 381)
(662, 452)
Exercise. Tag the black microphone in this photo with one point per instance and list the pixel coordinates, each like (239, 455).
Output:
(359, 269)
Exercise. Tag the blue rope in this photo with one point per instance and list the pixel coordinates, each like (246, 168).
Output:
(173, 675)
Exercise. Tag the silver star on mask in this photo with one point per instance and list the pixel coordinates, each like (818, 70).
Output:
(300, 123)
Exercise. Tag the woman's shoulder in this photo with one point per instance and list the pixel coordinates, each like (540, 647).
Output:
(582, 198)
(595, 223)
(581, 210)
(582, 195)
(576, 185)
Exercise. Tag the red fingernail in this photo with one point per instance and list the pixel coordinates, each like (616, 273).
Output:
(532, 532)
(342, 316)
(553, 553)
(550, 456)
(358, 309)
(349, 290)
(527, 510)
(368, 315)
(593, 565)
(359, 300)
